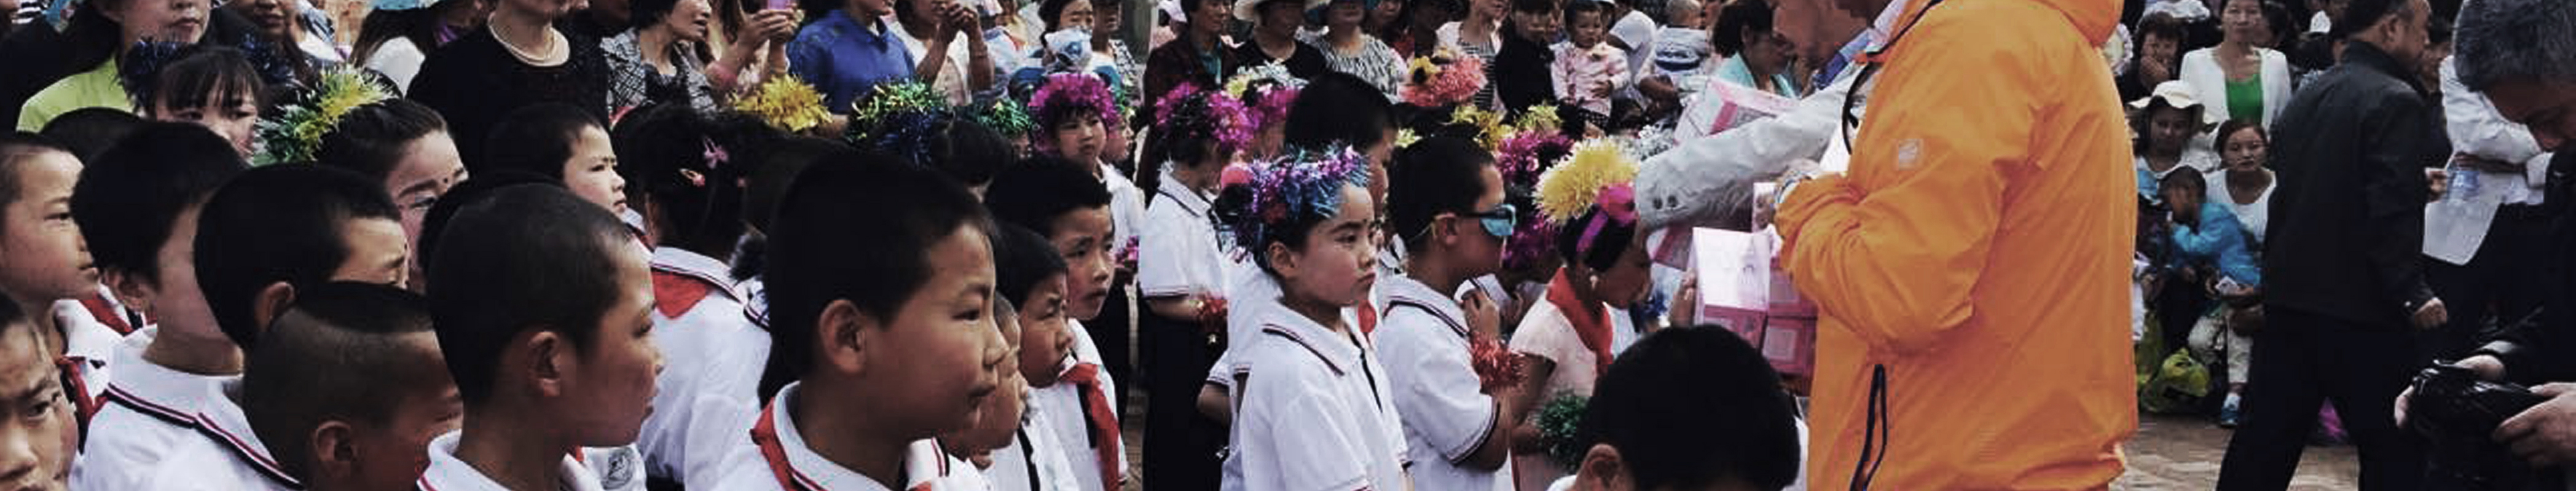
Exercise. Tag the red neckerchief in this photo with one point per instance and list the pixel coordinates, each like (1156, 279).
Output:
(99, 309)
(1103, 422)
(765, 433)
(1594, 331)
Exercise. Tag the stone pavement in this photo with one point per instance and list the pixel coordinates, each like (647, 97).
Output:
(2183, 452)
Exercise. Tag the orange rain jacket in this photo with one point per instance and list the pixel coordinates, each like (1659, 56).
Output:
(1979, 252)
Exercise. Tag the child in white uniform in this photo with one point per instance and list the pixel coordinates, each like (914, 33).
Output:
(543, 309)
(1313, 410)
(1447, 197)
(47, 262)
(1071, 209)
(881, 328)
(1182, 280)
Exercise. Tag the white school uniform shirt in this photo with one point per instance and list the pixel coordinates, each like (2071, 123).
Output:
(1315, 413)
(788, 463)
(1035, 459)
(1177, 233)
(1065, 423)
(147, 411)
(713, 357)
(1126, 208)
(448, 473)
(1422, 339)
(227, 455)
(88, 342)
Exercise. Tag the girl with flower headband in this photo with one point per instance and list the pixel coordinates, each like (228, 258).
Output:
(1569, 338)
(1313, 412)
(1184, 285)
(1266, 92)
(215, 86)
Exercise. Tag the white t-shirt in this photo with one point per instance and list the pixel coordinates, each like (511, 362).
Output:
(1315, 412)
(227, 455)
(1177, 234)
(1422, 339)
(147, 411)
(925, 466)
(449, 473)
(1034, 461)
(1065, 417)
(2254, 216)
(713, 356)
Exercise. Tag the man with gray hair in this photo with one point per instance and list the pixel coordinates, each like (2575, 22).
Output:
(2522, 55)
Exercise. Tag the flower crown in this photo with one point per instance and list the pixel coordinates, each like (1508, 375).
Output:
(1266, 89)
(295, 135)
(899, 118)
(1189, 110)
(786, 103)
(1003, 115)
(1071, 90)
(1598, 175)
(1302, 184)
(1445, 78)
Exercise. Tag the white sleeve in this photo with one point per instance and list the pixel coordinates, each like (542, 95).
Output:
(1434, 384)
(2476, 128)
(1709, 179)
(397, 59)
(1161, 255)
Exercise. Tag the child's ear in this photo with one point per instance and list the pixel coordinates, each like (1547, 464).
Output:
(845, 333)
(132, 290)
(547, 356)
(1282, 259)
(1603, 470)
(332, 450)
(272, 302)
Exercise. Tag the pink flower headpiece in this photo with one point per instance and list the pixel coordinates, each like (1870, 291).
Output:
(1064, 92)
(1190, 110)
(1445, 78)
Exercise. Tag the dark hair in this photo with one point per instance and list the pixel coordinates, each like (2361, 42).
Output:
(2231, 126)
(1290, 225)
(1189, 139)
(1690, 406)
(1576, 9)
(184, 79)
(2360, 15)
(1037, 191)
(465, 192)
(280, 223)
(856, 226)
(420, 26)
(1436, 175)
(371, 139)
(957, 146)
(88, 131)
(1533, 6)
(15, 150)
(672, 166)
(514, 259)
(1608, 243)
(2285, 28)
(1736, 20)
(2183, 177)
(771, 176)
(1338, 107)
(344, 352)
(2143, 122)
(129, 197)
(1048, 11)
(1021, 259)
(537, 139)
(641, 14)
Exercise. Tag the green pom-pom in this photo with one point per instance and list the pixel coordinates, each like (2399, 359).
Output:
(1560, 424)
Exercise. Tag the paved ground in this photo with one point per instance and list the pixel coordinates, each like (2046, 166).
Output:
(2177, 452)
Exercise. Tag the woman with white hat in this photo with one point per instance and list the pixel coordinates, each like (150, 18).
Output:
(2166, 124)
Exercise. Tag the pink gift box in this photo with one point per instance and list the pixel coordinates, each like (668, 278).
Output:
(1790, 344)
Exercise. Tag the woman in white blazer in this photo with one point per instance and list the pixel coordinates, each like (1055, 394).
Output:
(2239, 58)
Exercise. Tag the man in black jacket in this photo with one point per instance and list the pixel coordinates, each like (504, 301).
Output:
(2344, 286)
(2520, 53)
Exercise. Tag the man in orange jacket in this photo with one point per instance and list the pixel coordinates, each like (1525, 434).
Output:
(1972, 269)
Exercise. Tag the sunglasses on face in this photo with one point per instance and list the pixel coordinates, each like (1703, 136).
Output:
(1500, 221)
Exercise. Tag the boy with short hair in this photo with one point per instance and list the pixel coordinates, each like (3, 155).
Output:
(542, 306)
(137, 205)
(1060, 201)
(1446, 202)
(1690, 408)
(343, 391)
(261, 237)
(882, 329)
(40, 416)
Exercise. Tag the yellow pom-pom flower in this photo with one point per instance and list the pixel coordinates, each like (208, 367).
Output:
(1566, 190)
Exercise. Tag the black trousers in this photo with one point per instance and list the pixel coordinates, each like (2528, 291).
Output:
(1181, 445)
(1109, 331)
(2302, 359)
(2498, 287)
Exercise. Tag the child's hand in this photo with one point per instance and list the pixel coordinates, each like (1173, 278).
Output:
(1686, 301)
(1483, 317)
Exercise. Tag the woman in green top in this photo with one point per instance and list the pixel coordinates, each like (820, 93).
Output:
(98, 35)
(2253, 80)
